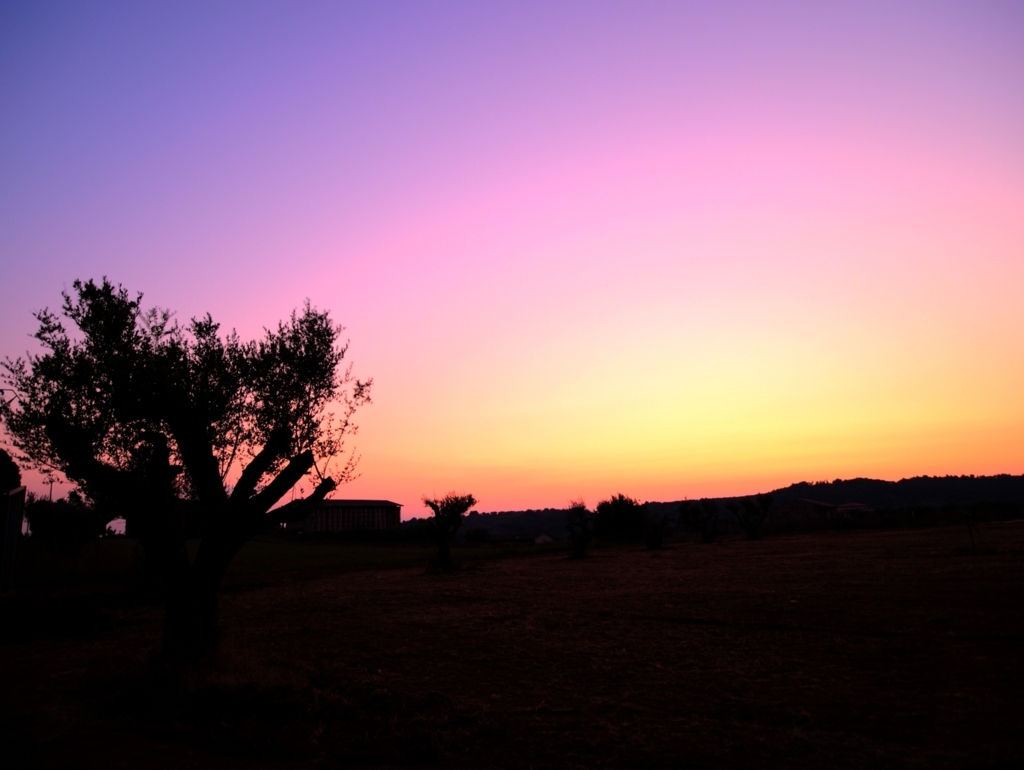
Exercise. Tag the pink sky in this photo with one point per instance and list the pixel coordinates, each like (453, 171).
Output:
(657, 249)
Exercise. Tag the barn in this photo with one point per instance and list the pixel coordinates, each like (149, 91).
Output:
(351, 516)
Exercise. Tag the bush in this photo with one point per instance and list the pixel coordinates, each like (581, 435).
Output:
(579, 522)
(417, 531)
(64, 526)
(478, 535)
(619, 519)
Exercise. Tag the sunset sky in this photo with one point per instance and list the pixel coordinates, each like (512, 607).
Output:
(665, 249)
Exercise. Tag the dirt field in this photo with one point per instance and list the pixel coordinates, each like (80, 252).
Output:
(857, 649)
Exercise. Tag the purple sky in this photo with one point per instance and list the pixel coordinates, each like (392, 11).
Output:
(657, 248)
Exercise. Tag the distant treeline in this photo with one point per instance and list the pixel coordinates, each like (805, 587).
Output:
(905, 493)
(921, 492)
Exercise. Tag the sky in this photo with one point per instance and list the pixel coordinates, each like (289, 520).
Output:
(671, 250)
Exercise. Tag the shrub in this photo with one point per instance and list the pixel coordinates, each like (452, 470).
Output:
(64, 526)
(418, 531)
(579, 522)
(619, 519)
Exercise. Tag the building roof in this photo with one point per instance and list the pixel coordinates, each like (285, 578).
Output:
(356, 503)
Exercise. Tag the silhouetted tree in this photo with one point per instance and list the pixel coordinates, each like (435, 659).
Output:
(753, 514)
(448, 513)
(619, 519)
(10, 474)
(579, 522)
(700, 518)
(140, 412)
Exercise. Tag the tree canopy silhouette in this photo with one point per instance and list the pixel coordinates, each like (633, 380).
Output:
(142, 413)
(448, 513)
(619, 519)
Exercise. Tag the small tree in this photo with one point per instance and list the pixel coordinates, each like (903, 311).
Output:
(579, 522)
(700, 518)
(141, 413)
(753, 514)
(619, 519)
(448, 513)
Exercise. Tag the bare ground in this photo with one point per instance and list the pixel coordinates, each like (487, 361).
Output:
(883, 649)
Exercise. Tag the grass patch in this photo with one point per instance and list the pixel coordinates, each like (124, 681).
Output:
(102, 560)
(114, 560)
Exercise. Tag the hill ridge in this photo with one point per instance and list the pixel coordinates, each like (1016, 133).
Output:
(925, 491)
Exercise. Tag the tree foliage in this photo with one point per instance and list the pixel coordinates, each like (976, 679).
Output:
(10, 474)
(619, 519)
(580, 523)
(140, 412)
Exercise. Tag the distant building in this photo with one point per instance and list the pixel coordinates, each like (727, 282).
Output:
(351, 516)
(851, 510)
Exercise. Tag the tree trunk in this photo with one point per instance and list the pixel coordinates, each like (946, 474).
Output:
(444, 554)
(191, 630)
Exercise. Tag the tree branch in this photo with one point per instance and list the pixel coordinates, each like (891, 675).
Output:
(285, 480)
(276, 445)
(103, 482)
(197, 455)
(299, 510)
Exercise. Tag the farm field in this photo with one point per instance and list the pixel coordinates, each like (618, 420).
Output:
(118, 559)
(897, 648)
